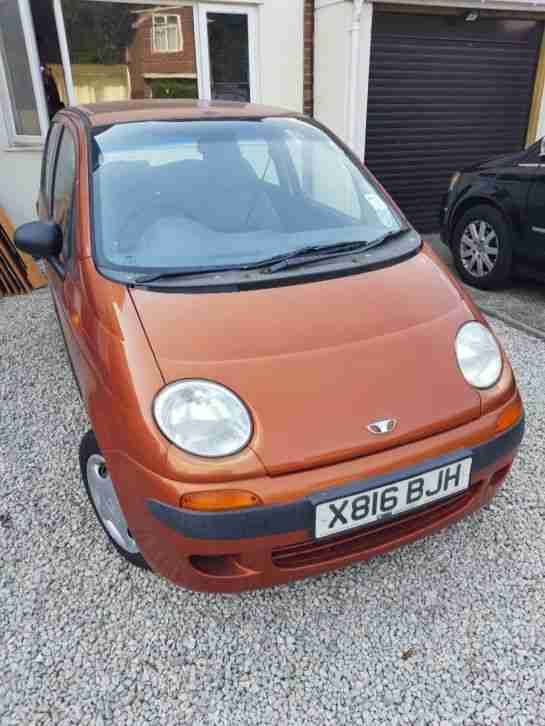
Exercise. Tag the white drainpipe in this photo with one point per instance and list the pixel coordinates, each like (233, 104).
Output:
(353, 74)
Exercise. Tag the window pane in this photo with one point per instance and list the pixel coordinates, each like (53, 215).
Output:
(160, 39)
(229, 56)
(49, 164)
(17, 69)
(63, 185)
(173, 43)
(114, 49)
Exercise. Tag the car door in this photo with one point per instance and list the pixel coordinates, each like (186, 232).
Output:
(58, 198)
(534, 242)
(530, 203)
(59, 185)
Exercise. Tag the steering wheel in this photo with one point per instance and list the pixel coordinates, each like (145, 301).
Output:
(133, 230)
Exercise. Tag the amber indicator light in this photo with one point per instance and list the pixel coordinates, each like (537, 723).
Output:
(218, 501)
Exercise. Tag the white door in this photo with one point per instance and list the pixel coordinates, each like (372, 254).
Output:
(228, 53)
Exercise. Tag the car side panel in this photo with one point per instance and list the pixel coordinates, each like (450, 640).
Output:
(507, 190)
(533, 244)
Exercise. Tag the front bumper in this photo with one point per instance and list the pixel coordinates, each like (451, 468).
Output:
(273, 544)
(281, 519)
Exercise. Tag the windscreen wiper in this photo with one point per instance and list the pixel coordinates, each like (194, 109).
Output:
(309, 253)
(190, 271)
(186, 272)
(316, 253)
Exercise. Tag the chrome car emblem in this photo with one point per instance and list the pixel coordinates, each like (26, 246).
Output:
(382, 427)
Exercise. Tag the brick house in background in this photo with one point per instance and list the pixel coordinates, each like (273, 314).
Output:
(161, 57)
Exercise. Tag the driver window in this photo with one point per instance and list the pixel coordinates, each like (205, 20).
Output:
(48, 166)
(63, 189)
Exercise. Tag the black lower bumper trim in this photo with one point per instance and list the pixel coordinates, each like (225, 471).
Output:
(299, 515)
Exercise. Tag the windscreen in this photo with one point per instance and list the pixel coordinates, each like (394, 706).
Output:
(184, 194)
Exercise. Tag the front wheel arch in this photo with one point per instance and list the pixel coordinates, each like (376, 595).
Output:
(479, 201)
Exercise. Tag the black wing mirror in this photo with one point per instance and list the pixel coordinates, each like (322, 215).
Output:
(39, 239)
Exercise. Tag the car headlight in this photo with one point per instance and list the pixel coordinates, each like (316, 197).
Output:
(203, 418)
(453, 180)
(478, 354)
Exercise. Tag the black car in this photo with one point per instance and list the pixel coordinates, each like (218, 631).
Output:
(493, 218)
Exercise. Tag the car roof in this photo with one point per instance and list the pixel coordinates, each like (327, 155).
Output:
(114, 112)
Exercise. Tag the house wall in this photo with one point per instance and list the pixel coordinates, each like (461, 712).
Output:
(19, 179)
(331, 62)
(281, 56)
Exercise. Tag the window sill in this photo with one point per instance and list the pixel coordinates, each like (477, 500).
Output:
(15, 148)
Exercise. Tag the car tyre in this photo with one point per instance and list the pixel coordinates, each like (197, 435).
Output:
(482, 249)
(105, 503)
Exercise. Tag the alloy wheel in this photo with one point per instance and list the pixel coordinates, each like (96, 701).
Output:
(479, 248)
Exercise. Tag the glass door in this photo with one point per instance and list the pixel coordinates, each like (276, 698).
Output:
(228, 37)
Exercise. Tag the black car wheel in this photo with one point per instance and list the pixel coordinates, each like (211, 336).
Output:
(103, 497)
(481, 248)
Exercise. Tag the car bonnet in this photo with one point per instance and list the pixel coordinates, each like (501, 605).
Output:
(318, 363)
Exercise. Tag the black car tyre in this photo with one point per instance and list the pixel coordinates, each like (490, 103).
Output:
(104, 501)
(481, 248)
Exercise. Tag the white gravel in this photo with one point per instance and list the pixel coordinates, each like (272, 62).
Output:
(450, 630)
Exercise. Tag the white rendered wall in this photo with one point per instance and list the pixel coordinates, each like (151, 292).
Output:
(19, 179)
(331, 63)
(281, 56)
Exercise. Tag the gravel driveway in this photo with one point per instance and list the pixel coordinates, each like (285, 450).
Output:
(448, 630)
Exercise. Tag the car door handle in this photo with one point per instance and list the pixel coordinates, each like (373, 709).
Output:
(541, 230)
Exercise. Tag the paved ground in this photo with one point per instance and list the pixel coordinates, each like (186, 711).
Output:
(450, 630)
(522, 301)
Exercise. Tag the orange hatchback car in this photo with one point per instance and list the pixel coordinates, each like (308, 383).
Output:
(282, 378)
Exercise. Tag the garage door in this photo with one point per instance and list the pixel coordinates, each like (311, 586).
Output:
(444, 92)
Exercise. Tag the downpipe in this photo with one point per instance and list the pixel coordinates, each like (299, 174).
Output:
(353, 75)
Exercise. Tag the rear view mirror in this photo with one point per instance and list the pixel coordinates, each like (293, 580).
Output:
(39, 239)
(542, 147)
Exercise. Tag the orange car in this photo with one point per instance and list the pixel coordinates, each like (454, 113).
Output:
(282, 378)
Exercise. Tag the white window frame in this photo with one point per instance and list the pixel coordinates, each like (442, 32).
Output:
(165, 26)
(14, 137)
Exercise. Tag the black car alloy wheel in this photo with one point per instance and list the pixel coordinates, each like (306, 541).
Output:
(481, 247)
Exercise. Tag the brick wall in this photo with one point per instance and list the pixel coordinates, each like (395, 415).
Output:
(143, 59)
(308, 83)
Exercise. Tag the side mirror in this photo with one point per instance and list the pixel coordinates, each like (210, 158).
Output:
(542, 147)
(39, 239)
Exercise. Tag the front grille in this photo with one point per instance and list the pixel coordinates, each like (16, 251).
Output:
(312, 552)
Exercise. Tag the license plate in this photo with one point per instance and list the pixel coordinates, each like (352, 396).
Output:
(391, 500)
